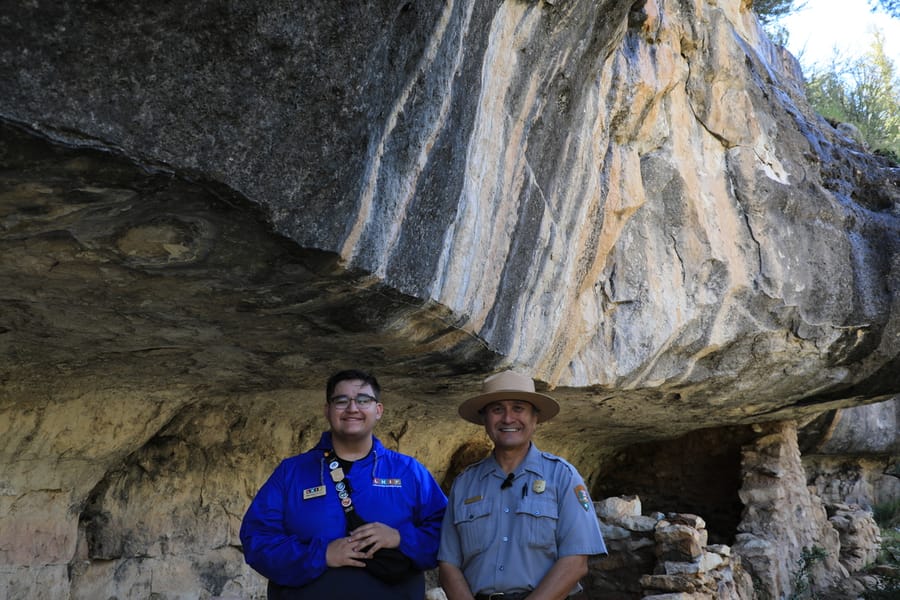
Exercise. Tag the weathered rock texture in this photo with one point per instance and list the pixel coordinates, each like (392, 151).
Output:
(859, 535)
(851, 455)
(560, 177)
(207, 207)
(782, 520)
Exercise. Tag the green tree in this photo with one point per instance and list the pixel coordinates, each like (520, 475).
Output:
(770, 14)
(770, 11)
(863, 91)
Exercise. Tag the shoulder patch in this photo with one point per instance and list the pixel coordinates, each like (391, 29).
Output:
(583, 498)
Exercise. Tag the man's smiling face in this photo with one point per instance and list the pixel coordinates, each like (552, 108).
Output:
(353, 422)
(510, 423)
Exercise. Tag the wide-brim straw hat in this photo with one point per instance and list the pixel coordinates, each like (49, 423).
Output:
(508, 385)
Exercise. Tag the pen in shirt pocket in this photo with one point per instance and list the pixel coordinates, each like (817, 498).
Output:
(524, 489)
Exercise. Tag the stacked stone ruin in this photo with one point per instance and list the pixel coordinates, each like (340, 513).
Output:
(662, 557)
(859, 535)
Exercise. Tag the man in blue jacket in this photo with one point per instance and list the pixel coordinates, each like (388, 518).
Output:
(349, 518)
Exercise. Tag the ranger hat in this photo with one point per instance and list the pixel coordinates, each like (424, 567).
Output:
(508, 385)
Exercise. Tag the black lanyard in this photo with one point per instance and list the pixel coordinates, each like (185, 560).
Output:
(343, 489)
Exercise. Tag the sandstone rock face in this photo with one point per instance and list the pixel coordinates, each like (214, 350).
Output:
(782, 521)
(869, 430)
(557, 176)
(860, 481)
(851, 455)
(859, 535)
(207, 208)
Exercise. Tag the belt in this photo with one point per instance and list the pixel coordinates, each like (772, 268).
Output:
(503, 596)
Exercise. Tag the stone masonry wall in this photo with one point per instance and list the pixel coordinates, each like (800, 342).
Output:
(661, 557)
(781, 516)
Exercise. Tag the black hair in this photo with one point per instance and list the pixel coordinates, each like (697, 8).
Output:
(483, 409)
(349, 375)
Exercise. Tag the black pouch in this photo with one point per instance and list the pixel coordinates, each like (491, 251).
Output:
(390, 565)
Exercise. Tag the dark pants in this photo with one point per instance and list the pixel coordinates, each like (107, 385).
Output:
(351, 583)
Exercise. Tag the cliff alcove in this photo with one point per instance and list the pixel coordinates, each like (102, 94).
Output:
(206, 209)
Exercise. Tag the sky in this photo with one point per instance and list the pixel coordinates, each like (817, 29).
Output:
(823, 24)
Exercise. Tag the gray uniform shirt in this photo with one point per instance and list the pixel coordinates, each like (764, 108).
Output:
(506, 540)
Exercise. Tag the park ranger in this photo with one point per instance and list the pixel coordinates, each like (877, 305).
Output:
(520, 522)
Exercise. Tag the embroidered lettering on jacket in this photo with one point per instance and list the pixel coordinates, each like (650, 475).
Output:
(385, 482)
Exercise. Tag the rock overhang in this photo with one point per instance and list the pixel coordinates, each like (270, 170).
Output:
(148, 280)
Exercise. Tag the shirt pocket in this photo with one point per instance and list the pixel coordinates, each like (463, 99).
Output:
(539, 517)
(472, 524)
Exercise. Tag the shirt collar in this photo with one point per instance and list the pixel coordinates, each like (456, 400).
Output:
(532, 463)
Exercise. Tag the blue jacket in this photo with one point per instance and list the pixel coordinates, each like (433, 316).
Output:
(285, 537)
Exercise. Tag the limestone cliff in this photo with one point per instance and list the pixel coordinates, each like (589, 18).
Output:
(206, 208)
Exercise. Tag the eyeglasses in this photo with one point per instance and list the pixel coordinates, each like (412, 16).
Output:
(363, 401)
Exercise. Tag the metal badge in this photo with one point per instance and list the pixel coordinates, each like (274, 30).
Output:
(337, 475)
(539, 486)
(314, 492)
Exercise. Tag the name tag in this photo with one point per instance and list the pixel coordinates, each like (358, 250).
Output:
(314, 492)
(385, 482)
(472, 499)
